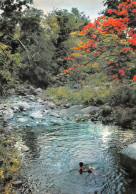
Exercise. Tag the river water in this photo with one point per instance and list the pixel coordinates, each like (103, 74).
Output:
(56, 146)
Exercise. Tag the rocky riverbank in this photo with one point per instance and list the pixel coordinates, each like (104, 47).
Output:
(28, 95)
(117, 115)
(107, 114)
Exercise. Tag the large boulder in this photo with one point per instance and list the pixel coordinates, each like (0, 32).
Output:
(128, 157)
(106, 110)
(71, 111)
(124, 119)
(23, 106)
(90, 110)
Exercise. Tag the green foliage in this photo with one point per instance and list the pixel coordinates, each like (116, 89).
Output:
(110, 4)
(39, 39)
(86, 95)
(35, 49)
(58, 26)
(123, 95)
(9, 68)
(96, 80)
(10, 16)
(9, 164)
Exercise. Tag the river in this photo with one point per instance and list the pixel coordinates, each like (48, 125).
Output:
(57, 145)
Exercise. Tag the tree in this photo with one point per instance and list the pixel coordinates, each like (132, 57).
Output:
(11, 13)
(110, 42)
(9, 68)
(35, 50)
(110, 4)
(58, 25)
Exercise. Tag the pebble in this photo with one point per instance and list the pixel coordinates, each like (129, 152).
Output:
(17, 183)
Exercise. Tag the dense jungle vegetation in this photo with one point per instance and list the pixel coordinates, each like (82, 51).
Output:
(65, 49)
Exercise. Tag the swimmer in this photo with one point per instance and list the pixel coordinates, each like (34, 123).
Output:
(82, 168)
(91, 170)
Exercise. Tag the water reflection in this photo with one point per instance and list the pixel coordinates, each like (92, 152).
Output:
(30, 139)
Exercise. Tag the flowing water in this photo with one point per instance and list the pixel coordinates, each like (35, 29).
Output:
(56, 146)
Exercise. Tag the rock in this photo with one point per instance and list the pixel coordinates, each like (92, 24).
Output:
(106, 120)
(16, 191)
(55, 114)
(25, 114)
(92, 119)
(46, 111)
(32, 98)
(37, 115)
(90, 110)
(86, 116)
(124, 119)
(51, 105)
(106, 110)
(27, 125)
(9, 127)
(40, 100)
(21, 146)
(134, 125)
(67, 105)
(128, 157)
(8, 115)
(22, 119)
(17, 183)
(14, 108)
(18, 116)
(39, 90)
(21, 105)
(26, 90)
(73, 110)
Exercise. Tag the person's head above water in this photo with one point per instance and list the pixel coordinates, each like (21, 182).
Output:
(81, 164)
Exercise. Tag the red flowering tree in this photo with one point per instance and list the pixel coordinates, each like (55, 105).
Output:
(110, 42)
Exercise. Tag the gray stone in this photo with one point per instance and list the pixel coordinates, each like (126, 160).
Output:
(25, 114)
(39, 90)
(22, 119)
(51, 105)
(90, 110)
(67, 105)
(17, 183)
(37, 115)
(21, 146)
(27, 125)
(71, 111)
(40, 100)
(107, 110)
(18, 116)
(128, 157)
(55, 114)
(22, 105)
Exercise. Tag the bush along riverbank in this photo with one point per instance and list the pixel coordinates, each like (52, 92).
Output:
(12, 180)
(115, 104)
(9, 163)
